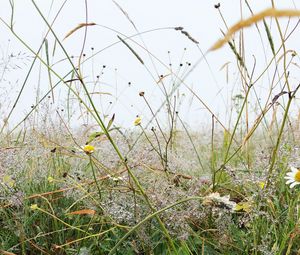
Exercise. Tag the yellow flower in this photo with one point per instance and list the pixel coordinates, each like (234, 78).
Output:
(244, 206)
(34, 207)
(293, 177)
(138, 121)
(50, 179)
(262, 184)
(88, 149)
(8, 181)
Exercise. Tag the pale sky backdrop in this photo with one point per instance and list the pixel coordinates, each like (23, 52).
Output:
(124, 76)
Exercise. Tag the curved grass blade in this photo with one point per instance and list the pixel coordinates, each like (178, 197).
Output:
(132, 50)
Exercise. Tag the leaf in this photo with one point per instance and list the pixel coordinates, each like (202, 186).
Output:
(100, 93)
(81, 25)
(54, 48)
(48, 67)
(271, 12)
(110, 122)
(132, 50)
(83, 212)
(270, 39)
(93, 136)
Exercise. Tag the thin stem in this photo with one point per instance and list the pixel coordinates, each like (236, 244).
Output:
(285, 118)
(94, 175)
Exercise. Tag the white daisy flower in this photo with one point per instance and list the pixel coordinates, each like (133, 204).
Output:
(293, 177)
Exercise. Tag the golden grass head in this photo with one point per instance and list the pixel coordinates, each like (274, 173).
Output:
(271, 12)
(78, 27)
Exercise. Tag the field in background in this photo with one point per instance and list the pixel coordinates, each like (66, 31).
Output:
(102, 164)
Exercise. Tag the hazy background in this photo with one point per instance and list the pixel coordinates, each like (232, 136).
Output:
(124, 76)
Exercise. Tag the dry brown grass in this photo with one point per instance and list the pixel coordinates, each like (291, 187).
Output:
(252, 20)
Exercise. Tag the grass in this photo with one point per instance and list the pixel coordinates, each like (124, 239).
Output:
(159, 187)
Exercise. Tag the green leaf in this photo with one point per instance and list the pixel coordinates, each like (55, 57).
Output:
(110, 122)
(132, 50)
(93, 136)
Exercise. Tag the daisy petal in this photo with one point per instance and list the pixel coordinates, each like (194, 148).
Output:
(294, 169)
(290, 174)
(294, 184)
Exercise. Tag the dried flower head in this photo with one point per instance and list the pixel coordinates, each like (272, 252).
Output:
(217, 6)
(220, 201)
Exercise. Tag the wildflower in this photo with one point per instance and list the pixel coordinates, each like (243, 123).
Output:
(243, 206)
(219, 201)
(7, 179)
(88, 149)
(117, 179)
(50, 179)
(34, 207)
(262, 184)
(138, 121)
(293, 177)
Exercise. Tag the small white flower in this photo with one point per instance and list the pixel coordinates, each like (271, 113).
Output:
(293, 177)
(117, 179)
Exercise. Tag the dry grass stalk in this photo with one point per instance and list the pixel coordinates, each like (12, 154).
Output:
(83, 212)
(254, 19)
(6, 253)
(125, 13)
(81, 25)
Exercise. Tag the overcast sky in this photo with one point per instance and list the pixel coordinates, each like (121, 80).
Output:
(124, 76)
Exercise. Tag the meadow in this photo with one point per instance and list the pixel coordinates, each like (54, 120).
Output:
(74, 181)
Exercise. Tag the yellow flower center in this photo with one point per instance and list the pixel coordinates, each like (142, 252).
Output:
(297, 176)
